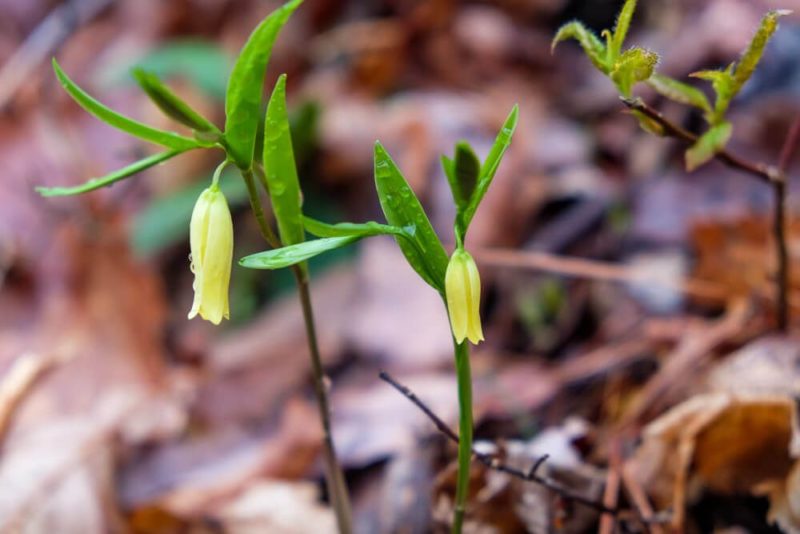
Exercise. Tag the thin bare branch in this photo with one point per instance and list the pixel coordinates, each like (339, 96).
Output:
(492, 462)
(775, 176)
(762, 171)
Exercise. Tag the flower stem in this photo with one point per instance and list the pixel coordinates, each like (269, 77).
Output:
(334, 476)
(464, 377)
(255, 203)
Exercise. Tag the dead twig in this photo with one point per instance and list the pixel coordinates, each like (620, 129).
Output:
(694, 350)
(611, 492)
(637, 496)
(592, 269)
(20, 380)
(492, 462)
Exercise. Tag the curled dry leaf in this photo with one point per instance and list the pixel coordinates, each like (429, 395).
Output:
(732, 440)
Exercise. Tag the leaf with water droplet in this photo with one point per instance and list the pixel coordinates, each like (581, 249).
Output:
(294, 254)
(280, 169)
(402, 209)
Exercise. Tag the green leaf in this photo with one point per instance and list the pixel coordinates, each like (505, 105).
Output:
(116, 176)
(591, 44)
(293, 254)
(202, 63)
(679, 92)
(304, 124)
(467, 169)
(280, 169)
(752, 55)
(367, 229)
(243, 96)
(708, 145)
(621, 29)
(171, 104)
(633, 66)
(402, 209)
(126, 124)
(492, 162)
(724, 86)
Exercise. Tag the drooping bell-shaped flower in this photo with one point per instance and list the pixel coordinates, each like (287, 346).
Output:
(211, 240)
(463, 291)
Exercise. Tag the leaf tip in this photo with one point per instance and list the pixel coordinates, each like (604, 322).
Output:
(45, 191)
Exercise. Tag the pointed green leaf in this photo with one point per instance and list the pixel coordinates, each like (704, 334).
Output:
(679, 92)
(116, 176)
(171, 104)
(293, 254)
(708, 145)
(402, 209)
(633, 66)
(449, 167)
(246, 83)
(752, 55)
(621, 28)
(467, 168)
(367, 229)
(121, 122)
(492, 162)
(280, 169)
(724, 86)
(591, 44)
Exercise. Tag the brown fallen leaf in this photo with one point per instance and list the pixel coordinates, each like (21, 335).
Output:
(741, 437)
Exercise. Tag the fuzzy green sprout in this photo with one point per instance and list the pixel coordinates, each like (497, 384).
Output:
(636, 65)
(211, 230)
(456, 279)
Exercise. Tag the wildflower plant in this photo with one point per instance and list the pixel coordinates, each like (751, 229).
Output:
(211, 231)
(636, 65)
(456, 278)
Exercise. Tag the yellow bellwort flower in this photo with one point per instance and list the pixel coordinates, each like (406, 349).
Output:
(211, 240)
(462, 284)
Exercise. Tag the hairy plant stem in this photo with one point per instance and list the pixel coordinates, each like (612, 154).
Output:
(775, 176)
(334, 476)
(464, 378)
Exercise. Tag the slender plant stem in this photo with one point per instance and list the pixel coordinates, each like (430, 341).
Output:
(334, 477)
(784, 273)
(762, 171)
(782, 253)
(255, 203)
(464, 378)
(775, 176)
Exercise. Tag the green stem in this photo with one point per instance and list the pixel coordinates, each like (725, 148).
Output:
(464, 378)
(255, 203)
(334, 477)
